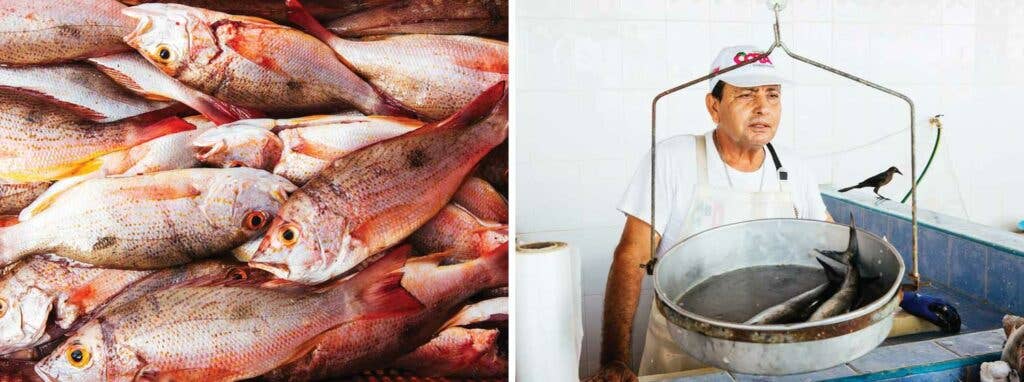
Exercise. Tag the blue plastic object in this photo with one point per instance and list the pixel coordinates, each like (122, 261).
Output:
(932, 309)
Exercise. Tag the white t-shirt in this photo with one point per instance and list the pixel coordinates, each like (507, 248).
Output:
(677, 176)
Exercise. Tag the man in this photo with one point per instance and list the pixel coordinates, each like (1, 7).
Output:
(721, 177)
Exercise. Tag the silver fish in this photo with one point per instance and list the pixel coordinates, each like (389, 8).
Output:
(843, 300)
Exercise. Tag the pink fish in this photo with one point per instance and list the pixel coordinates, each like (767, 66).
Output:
(374, 198)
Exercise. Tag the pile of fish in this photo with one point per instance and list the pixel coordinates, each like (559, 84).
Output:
(845, 290)
(213, 190)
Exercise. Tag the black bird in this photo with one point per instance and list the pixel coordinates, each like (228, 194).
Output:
(876, 181)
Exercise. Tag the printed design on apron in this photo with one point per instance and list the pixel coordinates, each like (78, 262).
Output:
(710, 207)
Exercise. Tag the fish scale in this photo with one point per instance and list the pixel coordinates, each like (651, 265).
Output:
(36, 287)
(374, 198)
(247, 328)
(79, 88)
(353, 347)
(16, 196)
(461, 17)
(39, 141)
(148, 221)
(39, 32)
(435, 75)
(251, 62)
(316, 142)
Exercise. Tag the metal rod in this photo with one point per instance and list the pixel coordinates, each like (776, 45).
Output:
(914, 275)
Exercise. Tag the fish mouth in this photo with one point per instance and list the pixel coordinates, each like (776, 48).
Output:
(277, 269)
(43, 373)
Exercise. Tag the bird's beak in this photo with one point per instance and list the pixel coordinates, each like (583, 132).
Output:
(898, 172)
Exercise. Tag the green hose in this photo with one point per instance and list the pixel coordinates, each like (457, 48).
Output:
(938, 136)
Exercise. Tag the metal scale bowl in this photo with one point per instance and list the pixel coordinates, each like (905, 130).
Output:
(775, 349)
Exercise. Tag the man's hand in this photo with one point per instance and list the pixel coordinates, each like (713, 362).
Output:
(616, 371)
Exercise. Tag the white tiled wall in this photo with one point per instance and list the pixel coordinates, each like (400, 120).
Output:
(587, 70)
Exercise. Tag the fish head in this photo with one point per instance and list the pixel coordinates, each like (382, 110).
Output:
(24, 313)
(291, 249)
(239, 145)
(257, 197)
(171, 36)
(81, 358)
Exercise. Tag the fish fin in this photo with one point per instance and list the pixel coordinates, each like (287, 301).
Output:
(477, 109)
(298, 14)
(245, 39)
(78, 109)
(161, 192)
(166, 126)
(488, 63)
(127, 82)
(310, 148)
(831, 274)
(381, 221)
(46, 199)
(220, 112)
(8, 220)
(385, 296)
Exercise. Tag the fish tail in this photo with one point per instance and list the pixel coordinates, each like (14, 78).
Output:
(477, 109)
(383, 294)
(852, 248)
(388, 105)
(169, 125)
(298, 14)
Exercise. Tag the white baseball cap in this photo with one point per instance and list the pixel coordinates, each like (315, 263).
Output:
(758, 73)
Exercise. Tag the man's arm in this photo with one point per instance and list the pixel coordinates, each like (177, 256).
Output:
(622, 292)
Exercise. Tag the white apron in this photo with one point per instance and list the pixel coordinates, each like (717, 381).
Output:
(711, 207)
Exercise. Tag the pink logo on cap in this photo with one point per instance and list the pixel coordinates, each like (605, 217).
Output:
(742, 57)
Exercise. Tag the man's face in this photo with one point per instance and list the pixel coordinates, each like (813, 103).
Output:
(749, 116)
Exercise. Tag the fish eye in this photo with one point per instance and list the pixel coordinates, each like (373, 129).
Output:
(238, 274)
(255, 220)
(164, 53)
(289, 235)
(78, 356)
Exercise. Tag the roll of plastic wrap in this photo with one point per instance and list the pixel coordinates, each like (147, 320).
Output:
(549, 320)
